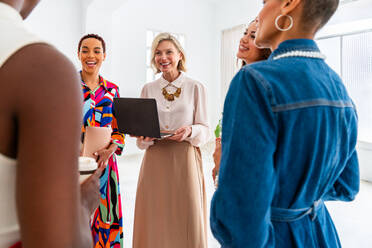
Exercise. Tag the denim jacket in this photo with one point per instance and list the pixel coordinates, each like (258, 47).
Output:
(288, 144)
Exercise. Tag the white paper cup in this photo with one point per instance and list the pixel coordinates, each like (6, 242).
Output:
(87, 166)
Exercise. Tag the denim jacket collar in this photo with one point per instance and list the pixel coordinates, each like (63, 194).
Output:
(295, 45)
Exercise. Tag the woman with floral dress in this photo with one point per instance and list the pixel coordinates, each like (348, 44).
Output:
(107, 223)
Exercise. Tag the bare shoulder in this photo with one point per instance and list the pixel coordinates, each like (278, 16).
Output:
(38, 69)
(35, 79)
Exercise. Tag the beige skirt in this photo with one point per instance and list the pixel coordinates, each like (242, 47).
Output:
(171, 202)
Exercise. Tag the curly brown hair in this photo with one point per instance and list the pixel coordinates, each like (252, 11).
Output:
(95, 36)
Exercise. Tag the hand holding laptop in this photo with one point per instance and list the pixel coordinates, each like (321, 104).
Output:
(142, 138)
(181, 134)
(138, 117)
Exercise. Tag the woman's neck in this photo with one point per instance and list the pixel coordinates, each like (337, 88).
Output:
(90, 79)
(290, 35)
(171, 76)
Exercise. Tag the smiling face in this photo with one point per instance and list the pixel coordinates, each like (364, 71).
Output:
(247, 49)
(167, 57)
(91, 55)
(266, 31)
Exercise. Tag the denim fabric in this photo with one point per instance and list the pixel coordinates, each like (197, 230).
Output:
(289, 132)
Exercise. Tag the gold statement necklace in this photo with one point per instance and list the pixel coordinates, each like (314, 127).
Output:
(170, 97)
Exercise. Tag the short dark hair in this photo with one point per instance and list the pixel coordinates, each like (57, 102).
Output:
(318, 12)
(95, 36)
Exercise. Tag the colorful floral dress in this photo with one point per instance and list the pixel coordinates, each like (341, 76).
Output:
(107, 223)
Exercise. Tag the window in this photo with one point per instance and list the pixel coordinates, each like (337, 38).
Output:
(150, 35)
(229, 48)
(351, 56)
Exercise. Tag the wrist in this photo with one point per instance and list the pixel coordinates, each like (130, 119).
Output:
(113, 147)
(190, 132)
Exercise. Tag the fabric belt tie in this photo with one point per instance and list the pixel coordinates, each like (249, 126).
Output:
(290, 215)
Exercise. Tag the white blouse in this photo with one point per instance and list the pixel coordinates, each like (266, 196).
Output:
(189, 109)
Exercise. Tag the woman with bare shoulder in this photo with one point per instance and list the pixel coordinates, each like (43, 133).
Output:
(40, 117)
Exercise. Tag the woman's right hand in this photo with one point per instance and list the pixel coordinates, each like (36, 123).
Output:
(216, 158)
(142, 138)
(90, 191)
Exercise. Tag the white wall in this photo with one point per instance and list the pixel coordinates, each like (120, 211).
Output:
(193, 18)
(123, 24)
(235, 12)
(58, 22)
(352, 11)
(231, 14)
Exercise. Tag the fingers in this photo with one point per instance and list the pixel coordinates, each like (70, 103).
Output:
(146, 139)
(180, 130)
(98, 172)
(214, 174)
(99, 153)
(134, 136)
(177, 137)
(100, 160)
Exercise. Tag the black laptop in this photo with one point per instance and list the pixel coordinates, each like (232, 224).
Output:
(138, 117)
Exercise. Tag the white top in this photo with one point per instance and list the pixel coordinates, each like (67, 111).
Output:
(14, 33)
(14, 36)
(189, 109)
(9, 229)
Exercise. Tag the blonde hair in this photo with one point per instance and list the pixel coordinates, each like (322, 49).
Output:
(168, 37)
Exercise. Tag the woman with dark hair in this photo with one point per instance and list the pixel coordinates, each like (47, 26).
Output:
(289, 136)
(107, 223)
(248, 53)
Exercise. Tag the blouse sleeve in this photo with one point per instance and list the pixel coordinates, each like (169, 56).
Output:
(200, 127)
(117, 137)
(143, 145)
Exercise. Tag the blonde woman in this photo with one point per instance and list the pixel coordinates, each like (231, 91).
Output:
(170, 203)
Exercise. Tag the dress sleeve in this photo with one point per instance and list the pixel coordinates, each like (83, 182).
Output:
(241, 205)
(200, 127)
(117, 137)
(143, 145)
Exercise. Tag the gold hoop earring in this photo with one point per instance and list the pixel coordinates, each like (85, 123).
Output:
(283, 29)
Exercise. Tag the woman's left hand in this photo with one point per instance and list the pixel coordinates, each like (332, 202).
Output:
(105, 154)
(181, 134)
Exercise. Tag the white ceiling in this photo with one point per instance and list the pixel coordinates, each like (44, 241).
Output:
(215, 1)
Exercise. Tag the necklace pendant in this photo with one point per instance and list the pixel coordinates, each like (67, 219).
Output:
(170, 97)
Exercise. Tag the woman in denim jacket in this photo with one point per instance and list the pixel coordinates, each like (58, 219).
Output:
(288, 140)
